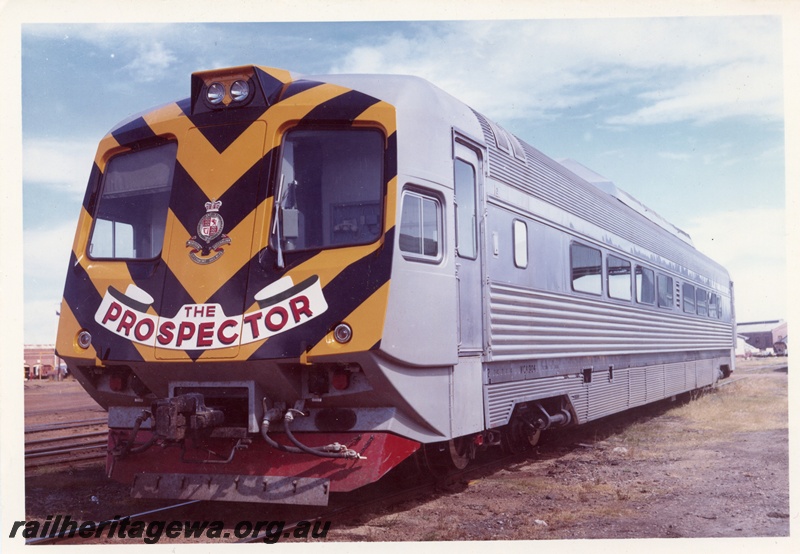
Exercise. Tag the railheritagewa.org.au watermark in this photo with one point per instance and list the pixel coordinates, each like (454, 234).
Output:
(150, 532)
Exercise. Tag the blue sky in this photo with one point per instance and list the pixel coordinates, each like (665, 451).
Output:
(684, 113)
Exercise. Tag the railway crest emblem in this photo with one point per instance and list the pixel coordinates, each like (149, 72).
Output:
(209, 231)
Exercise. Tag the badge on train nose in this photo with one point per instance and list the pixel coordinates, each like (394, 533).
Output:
(209, 230)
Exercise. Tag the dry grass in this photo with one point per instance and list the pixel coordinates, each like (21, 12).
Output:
(617, 485)
(757, 403)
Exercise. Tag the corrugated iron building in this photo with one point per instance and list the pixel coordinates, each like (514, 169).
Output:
(763, 334)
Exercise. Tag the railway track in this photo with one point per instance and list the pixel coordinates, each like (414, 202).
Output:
(65, 442)
(55, 538)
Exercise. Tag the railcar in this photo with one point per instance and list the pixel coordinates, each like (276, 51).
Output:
(284, 286)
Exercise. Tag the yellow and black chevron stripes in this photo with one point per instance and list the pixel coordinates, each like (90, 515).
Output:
(230, 159)
(215, 172)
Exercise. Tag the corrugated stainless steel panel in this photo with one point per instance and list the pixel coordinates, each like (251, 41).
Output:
(501, 397)
(705, 373)
(526, 323)
(637, 392)
(608, 397)
(580, 403)
(675, 378)
(655, 383)
(691, 376)
(603, 395)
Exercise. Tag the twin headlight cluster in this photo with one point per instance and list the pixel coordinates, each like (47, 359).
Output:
(239, 92)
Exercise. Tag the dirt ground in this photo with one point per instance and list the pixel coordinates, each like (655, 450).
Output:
(715, 466)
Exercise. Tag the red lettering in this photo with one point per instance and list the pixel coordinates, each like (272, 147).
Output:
(226, 340)
(299, 306)
(252, 319)
(281, 313)
(128, 319)
(185, 331)
(205, 334)
(165, 335)
(114, 310)
(210, 310)
(143, 336)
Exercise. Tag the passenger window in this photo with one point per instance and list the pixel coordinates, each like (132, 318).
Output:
(619, 278)
(587, 269)
(420, 226)
(688, 298)
(702, 302)
(645, 285)
(520, 244)
(713, 306)
(466, 213)
(665, 298)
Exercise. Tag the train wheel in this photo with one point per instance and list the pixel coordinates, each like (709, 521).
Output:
(444, 457)
(519, 436)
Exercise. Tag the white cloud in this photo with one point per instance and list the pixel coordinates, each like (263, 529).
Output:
(738, 89)
(60, 164)
(152, 62)
(41, 321)
(679, 69)
(46, 253)
(751, 245)
(140, 47)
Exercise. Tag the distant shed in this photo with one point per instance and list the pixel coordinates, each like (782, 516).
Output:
(764, 335)
(780, 339)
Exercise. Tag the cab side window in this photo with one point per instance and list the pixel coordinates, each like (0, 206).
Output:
(420, 227)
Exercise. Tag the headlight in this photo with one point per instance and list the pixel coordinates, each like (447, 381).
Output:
(215, 93)
(240, 90)
(343, 333)
(84, 339)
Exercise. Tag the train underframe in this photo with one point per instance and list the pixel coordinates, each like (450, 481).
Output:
(196, 443)
(185, 460)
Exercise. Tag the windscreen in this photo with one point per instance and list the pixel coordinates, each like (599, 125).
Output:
(132, 209)
(330, 189)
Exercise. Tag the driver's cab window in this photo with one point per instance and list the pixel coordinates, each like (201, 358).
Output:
(329, 189)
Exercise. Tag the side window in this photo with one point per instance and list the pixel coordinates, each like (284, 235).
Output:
(420, 227)
(688, 298)
(645, 285)
(702, 302)
(618, 273)
(131, 212)
(587, 269)
(713, 306)
(665, 298)
(520, 244)
(466, 212)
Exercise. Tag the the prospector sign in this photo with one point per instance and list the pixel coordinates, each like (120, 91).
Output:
(283, 306)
